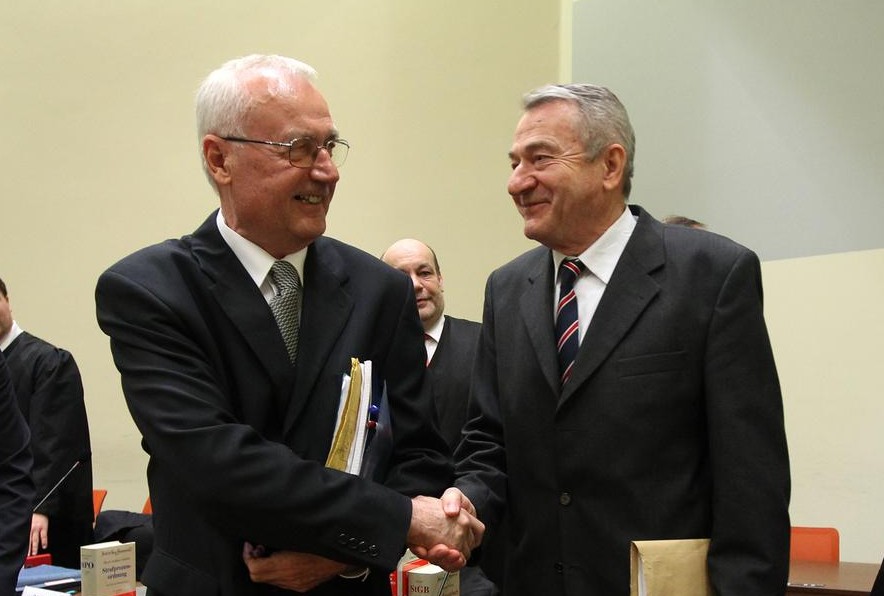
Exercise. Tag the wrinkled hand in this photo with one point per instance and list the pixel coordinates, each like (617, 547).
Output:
(39, 533)
(445, 531)
(291, 570)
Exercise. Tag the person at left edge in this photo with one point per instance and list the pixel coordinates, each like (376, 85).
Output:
(236, 432)
(16, 484)
(49, 391)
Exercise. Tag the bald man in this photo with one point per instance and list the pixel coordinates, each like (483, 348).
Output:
(450, 342)
(451, 348)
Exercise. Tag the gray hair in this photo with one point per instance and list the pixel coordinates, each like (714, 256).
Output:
(223, 98)
(603, 118)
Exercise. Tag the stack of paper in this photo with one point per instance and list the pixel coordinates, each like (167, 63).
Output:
(46, 576)
(351, 427)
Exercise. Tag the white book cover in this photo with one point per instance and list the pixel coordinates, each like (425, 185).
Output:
(432, 580)
(108, 568)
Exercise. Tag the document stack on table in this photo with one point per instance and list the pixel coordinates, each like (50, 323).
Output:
(49, 579)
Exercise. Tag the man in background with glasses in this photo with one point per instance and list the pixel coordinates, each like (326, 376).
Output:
(232, 343)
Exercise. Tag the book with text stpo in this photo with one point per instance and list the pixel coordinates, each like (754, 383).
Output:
(108, 568)
(667, 567)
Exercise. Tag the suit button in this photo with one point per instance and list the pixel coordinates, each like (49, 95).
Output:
(559, 567)
(342, 539)
(373, 550)
(565, 499)
(352, 543)
(363, 546)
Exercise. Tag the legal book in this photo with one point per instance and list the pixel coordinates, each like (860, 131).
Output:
(432, 580)
(398, 577)
(108, 568)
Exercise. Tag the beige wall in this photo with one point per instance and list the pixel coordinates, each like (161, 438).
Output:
(99, 154)
(99, 158)
(826, 322)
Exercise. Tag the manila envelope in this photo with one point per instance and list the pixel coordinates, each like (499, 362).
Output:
(669, 567)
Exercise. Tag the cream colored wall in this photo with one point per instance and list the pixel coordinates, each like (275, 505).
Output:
(99, 154)
(99, 158)
(826, 323)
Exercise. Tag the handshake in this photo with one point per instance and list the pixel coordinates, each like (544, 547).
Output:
(444, 531)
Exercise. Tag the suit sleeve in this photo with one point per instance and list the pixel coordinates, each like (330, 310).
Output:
(253, 487)
(747, 443)
(481, 455)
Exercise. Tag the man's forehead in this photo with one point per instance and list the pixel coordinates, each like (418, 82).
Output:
(547, 127)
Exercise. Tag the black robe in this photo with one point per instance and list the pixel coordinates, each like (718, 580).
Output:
(16, 487)
(50, 394)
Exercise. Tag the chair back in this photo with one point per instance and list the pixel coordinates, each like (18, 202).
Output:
(98, 495)
(815, 544)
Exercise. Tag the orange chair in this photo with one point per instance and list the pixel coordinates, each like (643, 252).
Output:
(815, 544)
(98, 496)
(148, 508)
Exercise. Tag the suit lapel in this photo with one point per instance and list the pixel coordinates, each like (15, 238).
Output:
(629, 292)
(242, 302)
(326, 308)
(536, 307)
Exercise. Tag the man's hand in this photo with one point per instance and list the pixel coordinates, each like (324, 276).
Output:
(290, 570)
(39, 533)
(444, 531)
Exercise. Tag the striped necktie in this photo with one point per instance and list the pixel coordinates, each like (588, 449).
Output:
(286, 304)
(567, 336)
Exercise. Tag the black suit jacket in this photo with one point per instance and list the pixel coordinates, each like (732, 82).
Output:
(16, 484)
(449, 375)
(670, 427)
(237, 437)
(50, 395)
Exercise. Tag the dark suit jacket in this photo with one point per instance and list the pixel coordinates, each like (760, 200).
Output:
(16, 484)
(670, 427)
(237, 437)
(50, 395)
(449, 375)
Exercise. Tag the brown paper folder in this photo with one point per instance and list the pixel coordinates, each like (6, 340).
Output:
(669, 568)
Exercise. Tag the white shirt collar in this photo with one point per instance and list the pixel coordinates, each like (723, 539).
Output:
(602, 255)
(255, 259)
(14, 332)
(436, 330)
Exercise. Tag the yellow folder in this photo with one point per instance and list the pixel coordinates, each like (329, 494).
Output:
(348, 444)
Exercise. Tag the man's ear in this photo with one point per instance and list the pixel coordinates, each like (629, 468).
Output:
(614, 159)
(215, 152)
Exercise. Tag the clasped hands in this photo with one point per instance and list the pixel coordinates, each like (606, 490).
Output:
(446, 535)
(443, 531)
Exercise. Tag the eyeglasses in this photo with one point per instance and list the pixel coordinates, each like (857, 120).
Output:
(303, 152)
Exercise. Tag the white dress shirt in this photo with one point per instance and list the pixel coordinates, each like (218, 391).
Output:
(600, 260)
(258, 261)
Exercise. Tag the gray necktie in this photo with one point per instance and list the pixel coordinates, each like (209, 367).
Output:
(286, 304)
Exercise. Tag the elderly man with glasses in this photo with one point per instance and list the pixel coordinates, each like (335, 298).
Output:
(232, 344)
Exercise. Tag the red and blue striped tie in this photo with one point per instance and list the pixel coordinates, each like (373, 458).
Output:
(567, 335)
